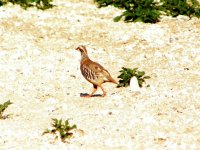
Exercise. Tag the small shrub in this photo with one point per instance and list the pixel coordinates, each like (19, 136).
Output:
(63, 128)
(40, 4)
(116, 3)
(127, 74)
(140, 11)
(181, 7)
(3, 108)
(149, 11)
(103, 3)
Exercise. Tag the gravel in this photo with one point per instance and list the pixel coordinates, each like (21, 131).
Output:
(40, 74)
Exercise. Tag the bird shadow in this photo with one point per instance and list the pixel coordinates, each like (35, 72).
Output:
(86, 94)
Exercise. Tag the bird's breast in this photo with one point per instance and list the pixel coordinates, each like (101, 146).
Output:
(88, 73)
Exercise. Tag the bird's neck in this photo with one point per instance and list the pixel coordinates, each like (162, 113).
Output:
(84, 57)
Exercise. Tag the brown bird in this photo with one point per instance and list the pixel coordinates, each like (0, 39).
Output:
(93, 72)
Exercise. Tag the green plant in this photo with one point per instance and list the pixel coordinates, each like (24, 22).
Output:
(149, 11)
(40, 4)
(3, 108)
(63, 128)
(140, 11)
(103, 3)
(116, 3)
(135, 10)
(181, 7)
(127, 74)
(1, 3)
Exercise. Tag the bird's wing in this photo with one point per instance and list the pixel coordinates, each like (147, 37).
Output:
(100, 71)
(97, 68)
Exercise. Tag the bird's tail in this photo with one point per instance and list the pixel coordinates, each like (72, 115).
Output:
(113, 81)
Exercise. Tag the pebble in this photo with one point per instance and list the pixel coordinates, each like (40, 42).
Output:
(134, 86)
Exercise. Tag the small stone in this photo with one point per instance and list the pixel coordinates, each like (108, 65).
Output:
(51, 100)
(134, 85)
(183, 18)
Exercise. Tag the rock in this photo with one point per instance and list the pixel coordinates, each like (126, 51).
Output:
(134, 85)
(182, 18)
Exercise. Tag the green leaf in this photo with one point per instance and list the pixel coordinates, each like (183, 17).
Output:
(121, 76)
(140, 83)
(46, 131)
(3, 108)
(147, 77)
(74, 126)
(126, 84)
(118, 18)
(66, 122)
(141, 73)
(130, 72)
(59, 124)
(139, 19)
(62, 133)
(121, 85)
(54, 121)
(134, 70)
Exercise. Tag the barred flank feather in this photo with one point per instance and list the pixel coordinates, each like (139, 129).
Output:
(88, 73)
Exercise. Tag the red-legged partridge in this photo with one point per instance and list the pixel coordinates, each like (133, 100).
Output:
(93, 72)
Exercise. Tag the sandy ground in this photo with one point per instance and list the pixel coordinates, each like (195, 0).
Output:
(40, 74)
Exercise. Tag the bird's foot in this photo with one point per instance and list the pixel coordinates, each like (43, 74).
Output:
(104, 94)
(85, 95)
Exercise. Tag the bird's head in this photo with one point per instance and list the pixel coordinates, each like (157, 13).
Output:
(82, 49)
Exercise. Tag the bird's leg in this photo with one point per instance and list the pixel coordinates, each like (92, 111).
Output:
(90, 95)
(104, 92)
(94, 90)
